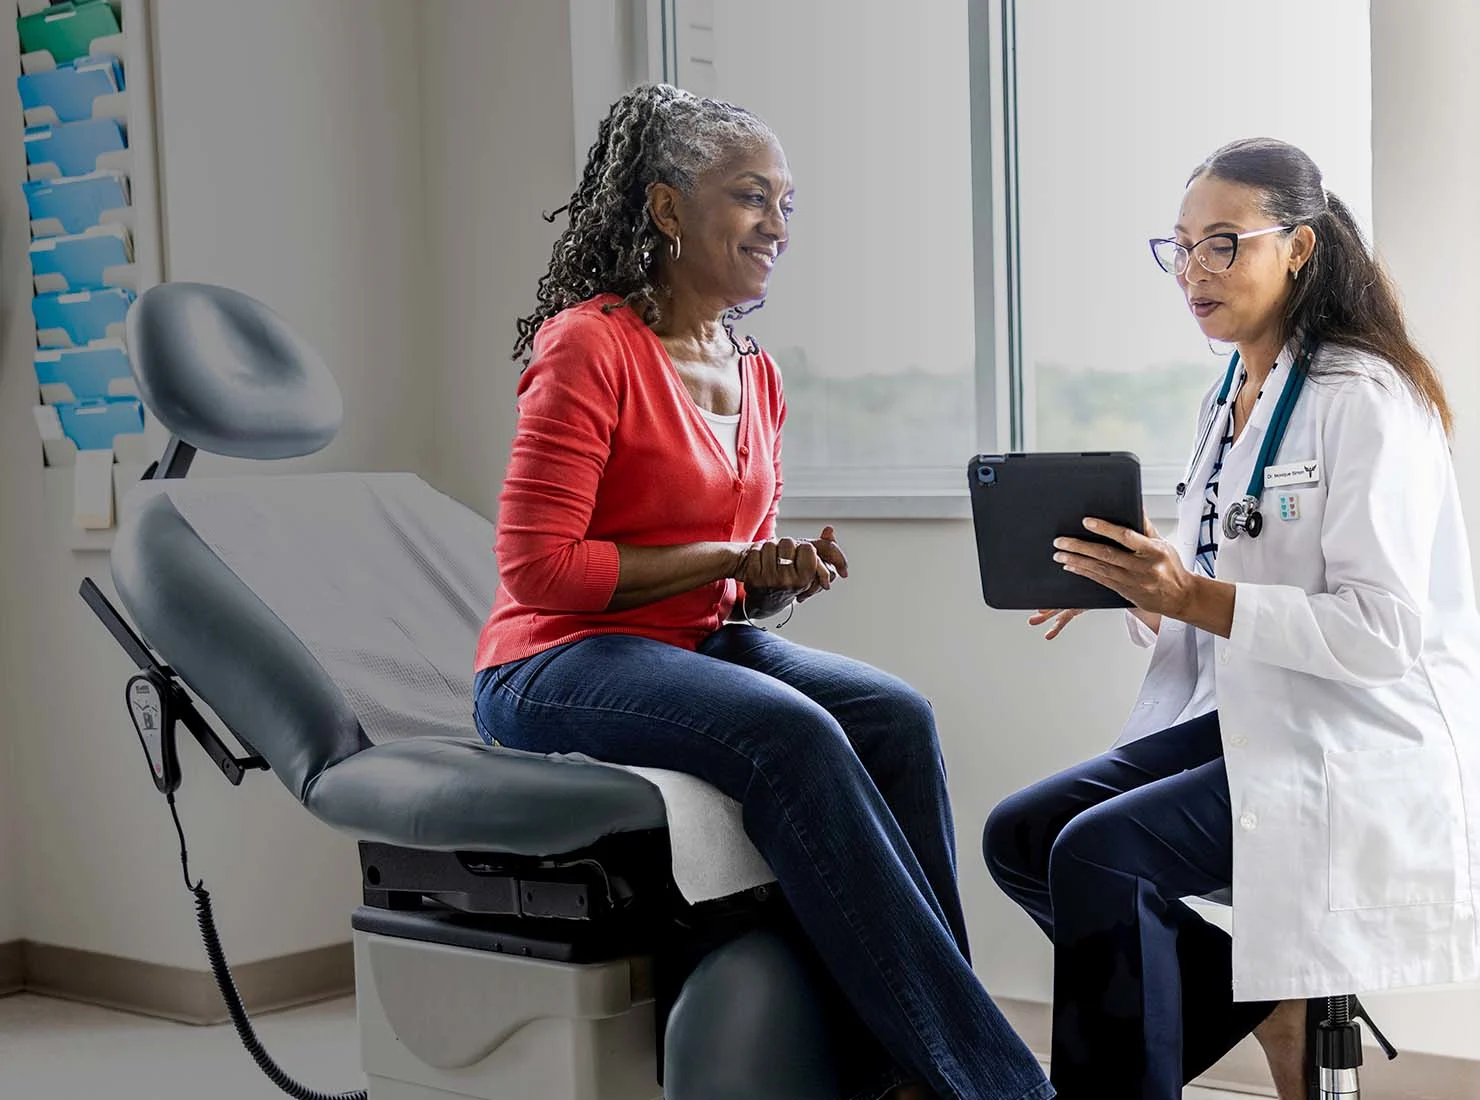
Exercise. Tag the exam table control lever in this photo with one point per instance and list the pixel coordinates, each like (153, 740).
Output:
(147, 706)
(156, 701)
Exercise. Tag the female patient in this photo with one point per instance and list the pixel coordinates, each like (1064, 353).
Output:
(637, 522)
(1306, 730)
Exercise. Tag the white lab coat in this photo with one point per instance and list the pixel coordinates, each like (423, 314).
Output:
(1348, 695)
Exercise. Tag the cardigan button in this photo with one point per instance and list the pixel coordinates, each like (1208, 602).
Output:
(739, 485)
(743, 450)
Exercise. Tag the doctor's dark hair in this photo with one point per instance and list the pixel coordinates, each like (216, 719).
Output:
(656, 133)
(1343, 295)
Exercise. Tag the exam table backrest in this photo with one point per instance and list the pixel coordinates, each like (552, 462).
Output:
(330, 620)
(228, 647)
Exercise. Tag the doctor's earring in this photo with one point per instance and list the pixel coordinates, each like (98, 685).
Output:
(675, 247)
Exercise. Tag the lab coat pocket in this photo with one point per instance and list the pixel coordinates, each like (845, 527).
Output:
(1397, 828)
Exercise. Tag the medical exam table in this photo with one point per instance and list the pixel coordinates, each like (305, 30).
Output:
(521, 934)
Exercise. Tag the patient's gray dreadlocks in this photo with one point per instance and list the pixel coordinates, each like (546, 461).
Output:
(656, 133)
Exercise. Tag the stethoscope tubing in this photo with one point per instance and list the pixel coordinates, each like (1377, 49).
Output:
(1244, 514)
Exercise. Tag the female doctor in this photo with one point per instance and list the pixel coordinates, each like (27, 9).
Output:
(1305, 737)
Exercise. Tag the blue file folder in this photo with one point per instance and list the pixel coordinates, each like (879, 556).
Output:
(73, 203)
(71, 148)
(79, 261)
(74, 318)
(69, 89)
(93, 424)
(69, 375)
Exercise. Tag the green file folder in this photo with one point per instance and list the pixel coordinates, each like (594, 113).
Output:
(67, 30)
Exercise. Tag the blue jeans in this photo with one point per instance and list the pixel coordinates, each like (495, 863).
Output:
(839, 774)
(1100, 857)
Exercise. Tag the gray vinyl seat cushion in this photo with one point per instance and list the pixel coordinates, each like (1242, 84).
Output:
(443, 792)
(455, 794)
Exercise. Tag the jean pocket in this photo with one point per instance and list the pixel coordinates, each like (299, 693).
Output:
(1397, 828)
(488, 689)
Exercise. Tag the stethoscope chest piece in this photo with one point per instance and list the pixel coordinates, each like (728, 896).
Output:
(1243, 517)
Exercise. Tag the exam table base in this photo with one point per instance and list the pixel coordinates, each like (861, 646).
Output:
(443, 1022)
(454, 1006)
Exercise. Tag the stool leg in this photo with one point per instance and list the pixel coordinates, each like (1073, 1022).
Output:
(1339, 1052)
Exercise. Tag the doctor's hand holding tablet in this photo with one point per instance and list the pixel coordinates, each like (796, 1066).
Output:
(1149, 574)
(1303, 743)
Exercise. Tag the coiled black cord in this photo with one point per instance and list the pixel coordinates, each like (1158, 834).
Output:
(229, 994)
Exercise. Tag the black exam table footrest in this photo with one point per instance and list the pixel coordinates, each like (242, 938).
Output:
(620, 878)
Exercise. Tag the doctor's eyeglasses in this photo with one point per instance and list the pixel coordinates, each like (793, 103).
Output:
(1216, 253)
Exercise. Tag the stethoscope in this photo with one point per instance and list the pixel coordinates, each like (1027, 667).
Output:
(1244, 515)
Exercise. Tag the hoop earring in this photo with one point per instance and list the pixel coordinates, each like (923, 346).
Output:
(1221, 354)
(675, 247)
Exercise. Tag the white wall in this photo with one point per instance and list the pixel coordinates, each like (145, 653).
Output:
(10, 819)
(303, 188)
(1425, 84)
(10, 869)
(20, 483)
(499, 153)
(291, 140)
(1426, 163)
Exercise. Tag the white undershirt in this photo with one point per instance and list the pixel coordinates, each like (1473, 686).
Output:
(726, 429)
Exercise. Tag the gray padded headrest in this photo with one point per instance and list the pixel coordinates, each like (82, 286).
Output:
(225, 374)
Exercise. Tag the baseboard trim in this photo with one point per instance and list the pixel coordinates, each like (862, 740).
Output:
(1412, 1076)
(177, 993)
(12, 967)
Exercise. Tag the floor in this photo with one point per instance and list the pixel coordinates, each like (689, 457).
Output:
(57, 1049)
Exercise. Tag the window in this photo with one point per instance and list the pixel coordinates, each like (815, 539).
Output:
(871, 313)
(976, 183)
(1116, 105)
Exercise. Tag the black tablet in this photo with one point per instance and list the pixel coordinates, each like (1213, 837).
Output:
(1021, 502)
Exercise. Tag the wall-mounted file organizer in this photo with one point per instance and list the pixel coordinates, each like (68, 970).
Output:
(91, 193)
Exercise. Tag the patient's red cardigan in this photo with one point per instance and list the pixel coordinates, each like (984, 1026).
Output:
(610, 448)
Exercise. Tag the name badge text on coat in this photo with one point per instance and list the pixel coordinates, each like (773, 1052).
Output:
(1292, 473)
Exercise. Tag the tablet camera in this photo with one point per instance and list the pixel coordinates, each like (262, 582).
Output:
(986, 475)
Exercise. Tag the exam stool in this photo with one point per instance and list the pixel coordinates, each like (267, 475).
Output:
(519, 936)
